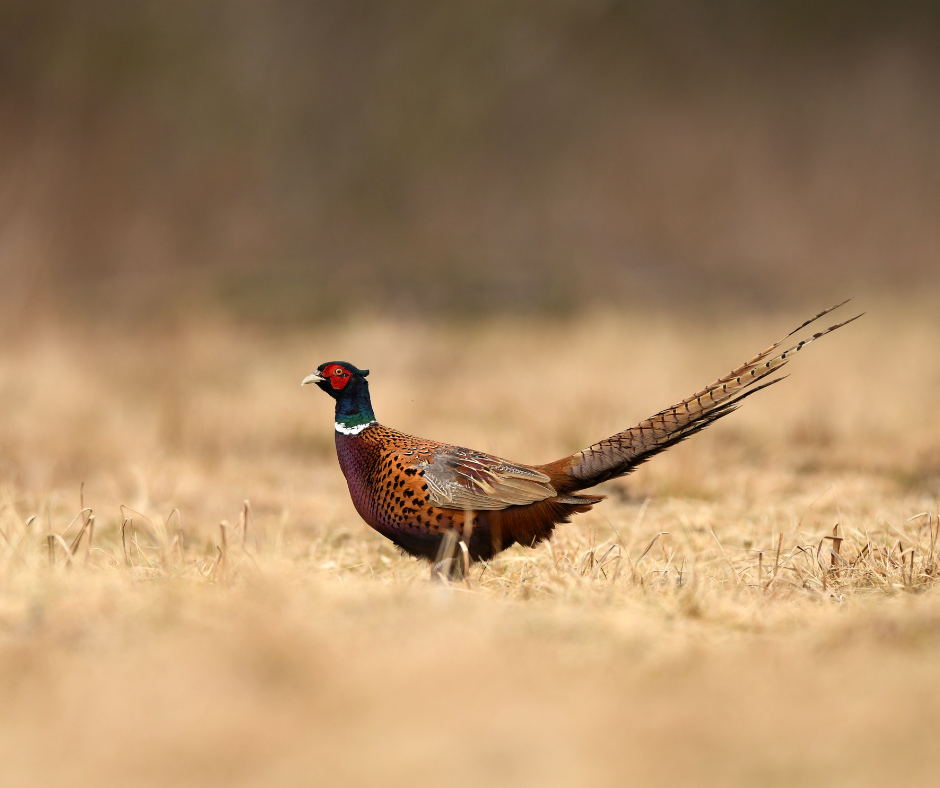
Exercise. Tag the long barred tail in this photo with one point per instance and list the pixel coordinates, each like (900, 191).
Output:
(620, 454)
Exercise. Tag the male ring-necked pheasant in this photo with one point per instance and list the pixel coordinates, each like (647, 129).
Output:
(422, 494)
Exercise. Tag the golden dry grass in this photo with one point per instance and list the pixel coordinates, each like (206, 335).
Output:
(660, 637)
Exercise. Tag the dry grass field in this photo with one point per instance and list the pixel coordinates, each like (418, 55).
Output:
(701, 627)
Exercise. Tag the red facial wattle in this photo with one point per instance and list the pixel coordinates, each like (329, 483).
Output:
(338, 378)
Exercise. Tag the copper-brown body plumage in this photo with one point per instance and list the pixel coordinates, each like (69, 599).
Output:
(430, 498)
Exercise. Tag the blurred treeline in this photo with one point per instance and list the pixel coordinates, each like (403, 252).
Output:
(289, 158)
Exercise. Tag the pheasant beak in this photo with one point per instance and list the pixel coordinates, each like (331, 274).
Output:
(314, 378)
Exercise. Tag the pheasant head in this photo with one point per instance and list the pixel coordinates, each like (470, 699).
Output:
(347, 385)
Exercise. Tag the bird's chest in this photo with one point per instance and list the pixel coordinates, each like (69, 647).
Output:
(359, 460)
(385, 484)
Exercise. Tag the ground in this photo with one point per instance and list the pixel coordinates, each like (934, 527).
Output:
(700, 627)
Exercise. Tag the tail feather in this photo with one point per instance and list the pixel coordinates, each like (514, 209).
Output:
(620, 454)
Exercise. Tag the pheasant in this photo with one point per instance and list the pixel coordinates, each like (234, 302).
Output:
(433, 498)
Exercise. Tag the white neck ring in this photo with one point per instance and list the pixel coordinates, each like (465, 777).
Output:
(344, 430)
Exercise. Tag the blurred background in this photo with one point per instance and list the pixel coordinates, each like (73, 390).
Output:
(201, 200)
(295, 161)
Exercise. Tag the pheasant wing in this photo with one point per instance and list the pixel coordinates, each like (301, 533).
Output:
(463, 479)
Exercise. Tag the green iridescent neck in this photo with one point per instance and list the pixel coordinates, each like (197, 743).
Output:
(354, 409)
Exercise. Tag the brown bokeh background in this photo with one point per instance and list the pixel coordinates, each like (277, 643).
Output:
(298, 160)
(518, 215)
